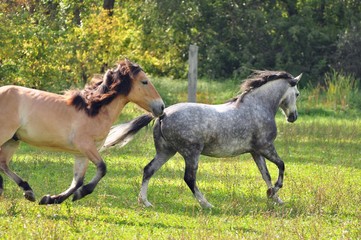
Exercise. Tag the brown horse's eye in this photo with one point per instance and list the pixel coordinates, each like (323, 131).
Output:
(144, 82)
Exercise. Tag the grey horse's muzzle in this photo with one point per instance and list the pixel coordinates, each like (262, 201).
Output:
(292, 117)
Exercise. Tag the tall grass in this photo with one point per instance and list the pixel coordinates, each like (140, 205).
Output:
(340, 92)
(340, 89)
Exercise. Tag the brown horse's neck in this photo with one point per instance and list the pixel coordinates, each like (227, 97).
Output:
(114, 108)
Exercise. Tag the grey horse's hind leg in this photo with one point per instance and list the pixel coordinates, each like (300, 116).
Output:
(271, 154)
(261, 164)
(6, 152)
(158, 161)
(190, 178)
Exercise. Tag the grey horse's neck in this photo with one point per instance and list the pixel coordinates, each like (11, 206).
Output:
(268, 95)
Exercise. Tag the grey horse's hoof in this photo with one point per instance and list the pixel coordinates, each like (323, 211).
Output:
(277, 200)
(206, 205)
(29, 195)
(272, 194)
(145, 203)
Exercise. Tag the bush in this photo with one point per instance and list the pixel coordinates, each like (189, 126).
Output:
(340, 89)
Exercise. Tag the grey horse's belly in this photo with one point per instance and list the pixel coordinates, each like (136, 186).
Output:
(226, 149)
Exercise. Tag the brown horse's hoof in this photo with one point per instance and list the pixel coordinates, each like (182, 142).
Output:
(29, 195)
(47, 199)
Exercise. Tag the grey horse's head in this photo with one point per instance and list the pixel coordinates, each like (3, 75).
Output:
(288, 101)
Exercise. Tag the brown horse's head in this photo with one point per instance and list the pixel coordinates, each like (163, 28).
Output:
(128, 80)
(141, 90)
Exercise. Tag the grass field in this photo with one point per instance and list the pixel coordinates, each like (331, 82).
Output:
(322, 188)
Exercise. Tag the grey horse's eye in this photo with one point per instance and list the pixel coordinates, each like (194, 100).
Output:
(297, 94)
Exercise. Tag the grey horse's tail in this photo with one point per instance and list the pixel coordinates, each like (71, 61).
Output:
(121, 134)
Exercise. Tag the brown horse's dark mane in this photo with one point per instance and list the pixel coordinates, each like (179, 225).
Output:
(258, 79)
(103, 89)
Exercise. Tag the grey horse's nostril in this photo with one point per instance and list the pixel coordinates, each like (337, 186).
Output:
(292, 117)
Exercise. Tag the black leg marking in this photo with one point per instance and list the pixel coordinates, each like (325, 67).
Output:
(148, 171)
(190, 178)
(28, 192)
(102, 168)
(1, 185)
(51, 200)
(25, 186)
(281, 167)
(83, 191)
(89, 188)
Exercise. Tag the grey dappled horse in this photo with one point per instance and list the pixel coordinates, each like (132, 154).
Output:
(246, 124)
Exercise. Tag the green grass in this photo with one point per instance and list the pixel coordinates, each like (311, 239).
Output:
(322, 189)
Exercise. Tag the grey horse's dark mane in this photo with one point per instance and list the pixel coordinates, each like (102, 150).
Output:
(259, 78)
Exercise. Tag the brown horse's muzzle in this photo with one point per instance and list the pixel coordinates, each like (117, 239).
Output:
(157, 107)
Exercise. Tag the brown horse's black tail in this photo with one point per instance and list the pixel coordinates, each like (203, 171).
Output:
(121, 134)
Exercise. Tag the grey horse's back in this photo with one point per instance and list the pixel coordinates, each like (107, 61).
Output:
(202, 128)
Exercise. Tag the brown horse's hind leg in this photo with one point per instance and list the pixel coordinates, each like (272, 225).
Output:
(6, 152)
(80, 167)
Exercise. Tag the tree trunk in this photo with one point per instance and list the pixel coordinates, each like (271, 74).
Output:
(77, 18)
(109, 5)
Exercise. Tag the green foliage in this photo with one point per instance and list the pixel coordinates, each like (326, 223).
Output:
(347, 56)
(58, 44)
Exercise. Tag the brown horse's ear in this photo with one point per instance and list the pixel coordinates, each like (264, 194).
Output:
(134, 68)
(108, 77)
(128, 62)
(295, 80)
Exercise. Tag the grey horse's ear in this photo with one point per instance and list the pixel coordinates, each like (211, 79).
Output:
(294, 81)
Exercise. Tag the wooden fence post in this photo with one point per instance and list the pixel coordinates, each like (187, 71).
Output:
(192, 73)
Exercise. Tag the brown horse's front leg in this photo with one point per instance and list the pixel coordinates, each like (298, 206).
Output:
(80, 167)
(89, 188)
(93, 155)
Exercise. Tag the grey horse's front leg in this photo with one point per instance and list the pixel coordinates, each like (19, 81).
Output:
(271, 154)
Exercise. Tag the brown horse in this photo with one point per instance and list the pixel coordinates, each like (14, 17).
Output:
(77, 122)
